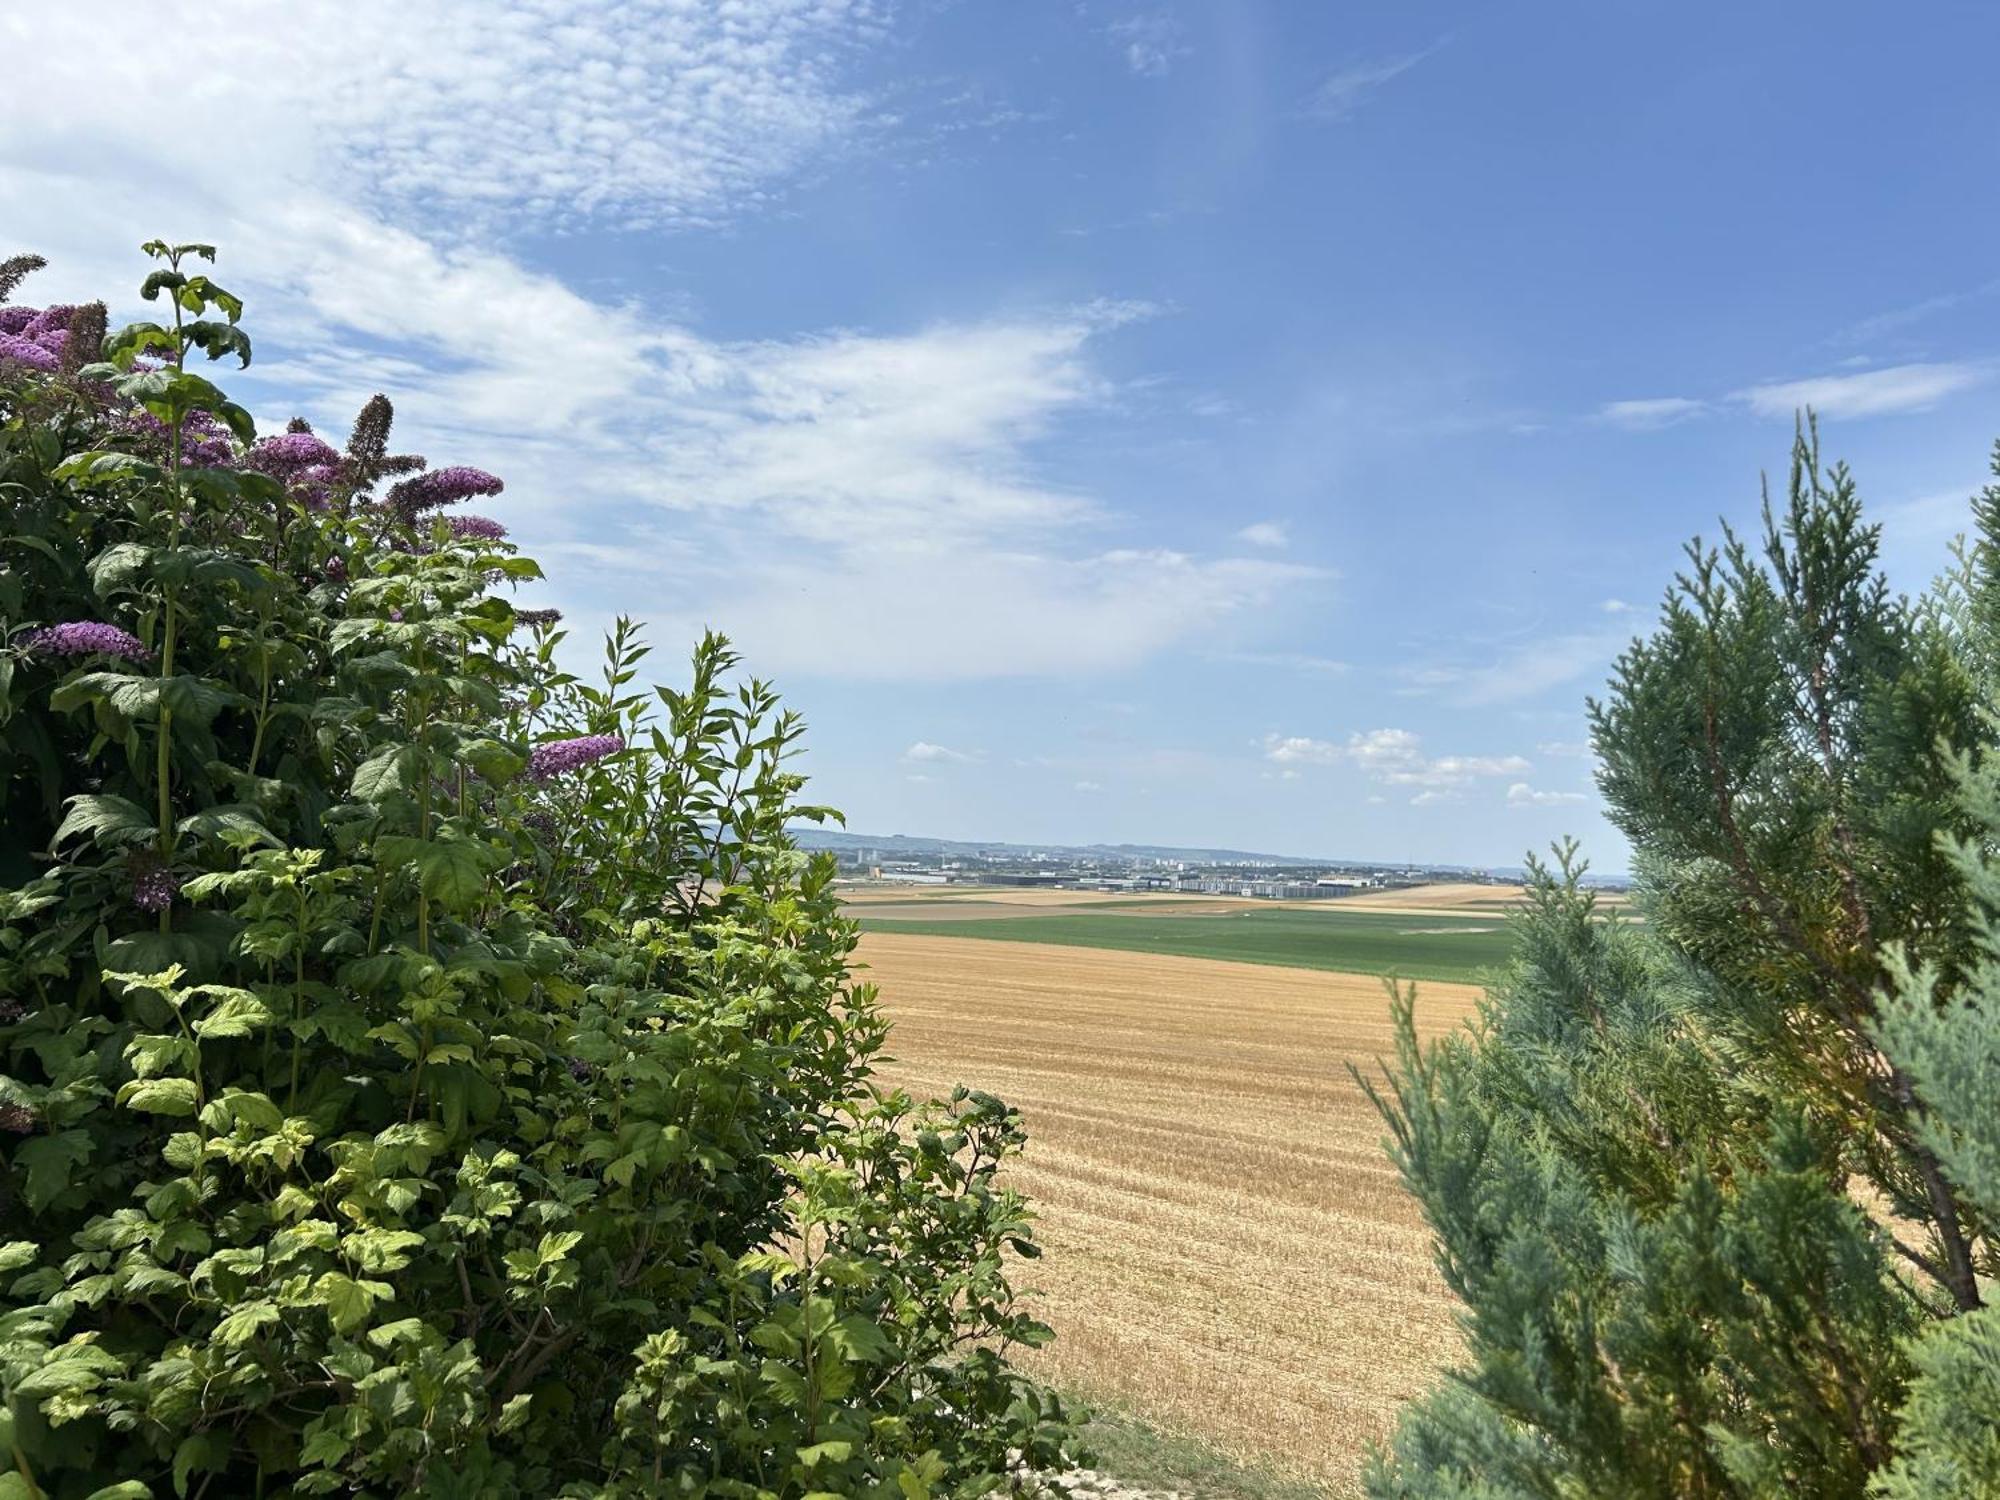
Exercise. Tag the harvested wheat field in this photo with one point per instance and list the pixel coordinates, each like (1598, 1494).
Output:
(1467, 898)
(1229, 1252)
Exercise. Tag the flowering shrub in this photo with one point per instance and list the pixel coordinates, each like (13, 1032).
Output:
(421, 1070)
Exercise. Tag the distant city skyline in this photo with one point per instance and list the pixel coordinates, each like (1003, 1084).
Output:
(1249, 425)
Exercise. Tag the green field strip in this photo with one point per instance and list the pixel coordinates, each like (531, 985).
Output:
(1410, 947)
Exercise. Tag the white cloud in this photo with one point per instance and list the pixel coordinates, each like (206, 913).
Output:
(1615, 607)
(1383, 750)
(1457, 768)
(1301, 750)
(653, 113)
(1535, 668)
(1565, 748)
(1897, 319)
(1088, 786)
(1264, 534)
(1393, 757)
(1150, 43)
(1427, 799)
(1656, 411)
(924, 750)
(1347, 89)
(1870, 393)
(1520, 794)
(855, 503)
(921, 610)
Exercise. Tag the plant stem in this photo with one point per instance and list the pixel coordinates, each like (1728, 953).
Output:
(163, 769)
(298, 1000)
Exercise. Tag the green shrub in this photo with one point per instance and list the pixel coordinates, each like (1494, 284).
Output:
(422, 1070)
(1721, 1192)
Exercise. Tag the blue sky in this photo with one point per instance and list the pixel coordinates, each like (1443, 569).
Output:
(1233, 423)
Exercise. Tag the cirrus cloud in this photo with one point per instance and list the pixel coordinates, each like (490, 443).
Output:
(1392, 757)
(1867, 393)
(1520, 794)
(847, 502)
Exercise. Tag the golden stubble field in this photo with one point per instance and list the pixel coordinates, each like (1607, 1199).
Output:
(1229, 1252)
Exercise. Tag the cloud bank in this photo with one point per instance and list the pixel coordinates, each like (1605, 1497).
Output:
(852, 503)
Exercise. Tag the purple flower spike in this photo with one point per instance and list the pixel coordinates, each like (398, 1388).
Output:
(14, 319)
(49, 320)
(441, 487)
(535, 619)
(87, 638)
(289, 454)
(558, 757)
(475, 528)
(20, 351)
(205, 442)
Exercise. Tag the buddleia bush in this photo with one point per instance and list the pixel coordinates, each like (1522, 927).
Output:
(1719, 1189)
(423, 1070)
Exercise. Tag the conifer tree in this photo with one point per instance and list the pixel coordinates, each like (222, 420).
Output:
(1719, 1188)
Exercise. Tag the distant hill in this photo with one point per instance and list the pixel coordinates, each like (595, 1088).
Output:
(898, 844)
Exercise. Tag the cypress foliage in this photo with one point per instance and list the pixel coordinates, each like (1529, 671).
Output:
(1719, 1188)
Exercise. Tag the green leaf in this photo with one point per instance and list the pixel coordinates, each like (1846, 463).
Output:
(134, 339)
(496, 762)
(348, 1302)
(155, 1052)
(237, 1014)
(381, 1249)
(91, 469)
(159, 281)
(556, 1247)
(182, 1150)
(242, 426)
(159, 1096)
(120, 568)
(207, 568)
(106, 819)
(218, 339)
(195, 699)
(390, 769)
(402, 1331)
(514, 1413)
(70, 1367)
(230, 818)
(861, 1338)
(18, 1253)
(327, 1446)
(51, 1160)
(243, 1325)
(787, 1384)
(206, 1452)
(450, 870)
(780, 1268)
